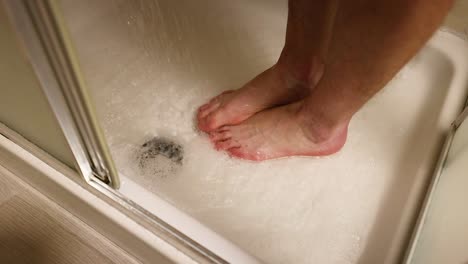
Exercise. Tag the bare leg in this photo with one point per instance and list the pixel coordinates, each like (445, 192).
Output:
(298, 69)
(372, 41)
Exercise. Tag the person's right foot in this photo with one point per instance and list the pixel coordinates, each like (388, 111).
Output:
(275, 86)
(277, 133)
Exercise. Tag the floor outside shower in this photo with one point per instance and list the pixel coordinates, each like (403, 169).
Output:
(151, 64)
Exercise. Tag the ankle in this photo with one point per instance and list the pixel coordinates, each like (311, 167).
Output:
(303, 72)
(319, 127)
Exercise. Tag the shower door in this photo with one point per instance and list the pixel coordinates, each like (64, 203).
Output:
(43, 35)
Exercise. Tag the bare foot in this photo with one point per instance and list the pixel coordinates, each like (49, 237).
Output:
(278, 133)
(275, 86)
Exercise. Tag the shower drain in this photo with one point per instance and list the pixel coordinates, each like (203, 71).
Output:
(160, 156)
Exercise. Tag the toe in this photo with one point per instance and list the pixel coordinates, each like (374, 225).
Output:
(220, 96)
(224, 128)
(203, 107)
(208, 118)
(237, 152)
(212, 121)
(226, 92)
(215, 113)
(226, 144)
(220, 135)
(206, 109)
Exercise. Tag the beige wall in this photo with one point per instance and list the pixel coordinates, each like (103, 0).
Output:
(458, 18)
(23, 106)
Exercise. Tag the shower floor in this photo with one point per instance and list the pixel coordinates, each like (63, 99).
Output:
(150, 64)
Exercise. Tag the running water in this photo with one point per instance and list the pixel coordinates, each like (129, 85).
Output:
(151, 64)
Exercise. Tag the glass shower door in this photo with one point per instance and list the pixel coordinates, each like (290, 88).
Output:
(47, 47)
(44, 36)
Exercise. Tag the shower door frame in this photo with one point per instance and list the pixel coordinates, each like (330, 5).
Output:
(46, 45)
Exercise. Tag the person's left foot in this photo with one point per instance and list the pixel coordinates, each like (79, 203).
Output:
(277, 133)
(278, 85)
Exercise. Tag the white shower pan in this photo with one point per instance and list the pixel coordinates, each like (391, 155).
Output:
(357, 206)
(354, 207)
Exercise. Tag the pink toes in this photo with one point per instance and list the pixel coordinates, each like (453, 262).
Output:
(208, 108)
(222, 139)
(221, 135)
(226, 144)
(212, 114)
(207, 116)
(236, 152)
(210, 122)
(226, 92)
(203, 108)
